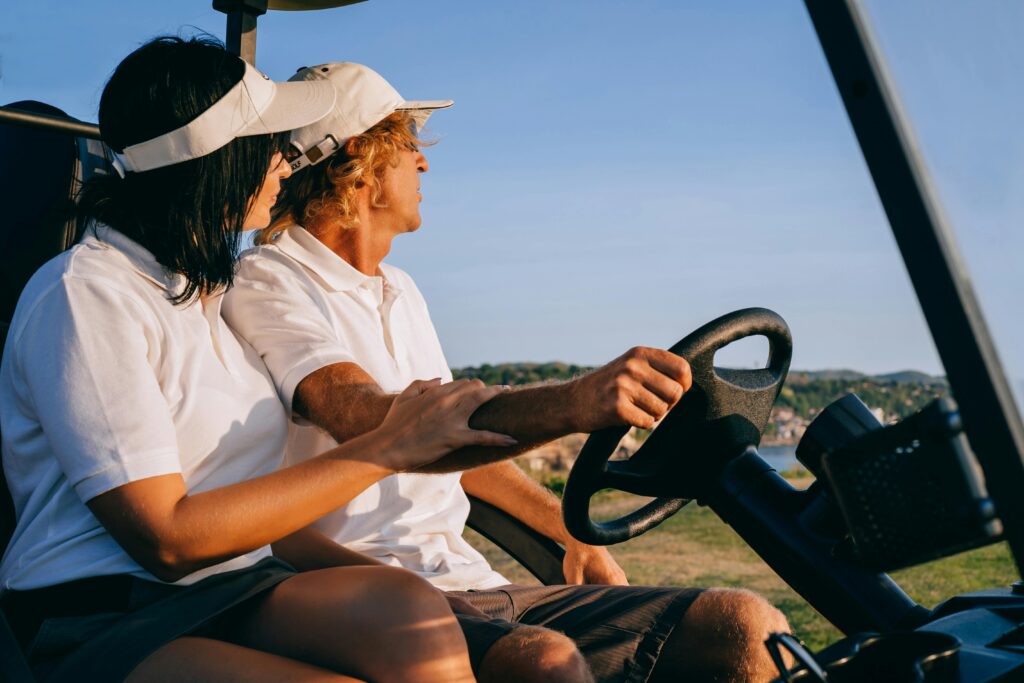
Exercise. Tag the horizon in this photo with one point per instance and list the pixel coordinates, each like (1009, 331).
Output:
(737, 367)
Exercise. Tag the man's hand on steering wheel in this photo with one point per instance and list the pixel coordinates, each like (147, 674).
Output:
(638, 388)
(591, 564)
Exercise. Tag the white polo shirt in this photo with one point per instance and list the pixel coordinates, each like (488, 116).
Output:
(105, 382)
(303, 307)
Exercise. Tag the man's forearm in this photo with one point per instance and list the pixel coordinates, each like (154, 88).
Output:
(533, 415)
(504, 485)
(638, 388)
(343, 400)
(508, 488)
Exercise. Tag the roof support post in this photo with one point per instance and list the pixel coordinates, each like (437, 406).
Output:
(240, 36)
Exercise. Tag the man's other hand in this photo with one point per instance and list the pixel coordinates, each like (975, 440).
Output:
(638, 388)
(591, 564)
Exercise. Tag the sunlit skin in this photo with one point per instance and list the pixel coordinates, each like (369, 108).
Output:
(401, 184)
(365, 247)
(261, 204)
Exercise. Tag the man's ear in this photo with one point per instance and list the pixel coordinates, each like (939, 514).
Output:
(350, 147)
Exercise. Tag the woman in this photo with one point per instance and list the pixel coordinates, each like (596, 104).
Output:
(141, 438)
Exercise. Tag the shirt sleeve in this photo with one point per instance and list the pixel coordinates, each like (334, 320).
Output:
(285, 319)
(84, 357)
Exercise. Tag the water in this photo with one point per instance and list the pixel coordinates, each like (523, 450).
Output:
(782, 458)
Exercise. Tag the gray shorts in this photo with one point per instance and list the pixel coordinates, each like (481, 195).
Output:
(620, 630)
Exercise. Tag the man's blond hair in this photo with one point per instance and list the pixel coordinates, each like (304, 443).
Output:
(326, 193)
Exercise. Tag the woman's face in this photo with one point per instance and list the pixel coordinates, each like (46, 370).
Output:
(263, 201)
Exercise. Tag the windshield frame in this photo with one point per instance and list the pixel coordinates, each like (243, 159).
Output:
(931, 255)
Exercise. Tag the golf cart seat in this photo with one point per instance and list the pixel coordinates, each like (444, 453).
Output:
(42, 170)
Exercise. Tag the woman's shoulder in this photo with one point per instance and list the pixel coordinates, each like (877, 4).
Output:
(88, 263)
(90, 271)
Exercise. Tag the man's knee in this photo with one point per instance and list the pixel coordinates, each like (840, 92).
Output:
(531, 654)
(740, 607)
(722, 636)
(740, 614)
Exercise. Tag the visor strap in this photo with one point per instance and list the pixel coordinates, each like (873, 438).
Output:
(317, 153)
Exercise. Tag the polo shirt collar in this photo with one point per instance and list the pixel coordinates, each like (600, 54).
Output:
(336, 273)
(141, 259)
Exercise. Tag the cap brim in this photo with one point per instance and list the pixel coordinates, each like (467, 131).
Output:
(295, 104)
(422, 109)
(421, 105)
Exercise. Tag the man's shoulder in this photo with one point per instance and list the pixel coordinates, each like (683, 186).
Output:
(266, 263)
(261, 254)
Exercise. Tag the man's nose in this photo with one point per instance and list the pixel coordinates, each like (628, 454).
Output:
(421, 163)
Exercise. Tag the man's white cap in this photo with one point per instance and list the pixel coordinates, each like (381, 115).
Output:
(256, 105)
(364, 100)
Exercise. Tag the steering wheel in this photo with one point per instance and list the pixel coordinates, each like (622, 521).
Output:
(722, 415)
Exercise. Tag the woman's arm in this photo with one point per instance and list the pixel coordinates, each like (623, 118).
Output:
(309, 548)
(172, 534)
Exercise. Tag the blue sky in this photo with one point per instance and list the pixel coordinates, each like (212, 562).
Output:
(617, 173)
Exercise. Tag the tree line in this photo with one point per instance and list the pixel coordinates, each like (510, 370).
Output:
(806, 393)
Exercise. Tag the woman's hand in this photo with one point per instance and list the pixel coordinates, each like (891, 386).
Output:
(429, 420)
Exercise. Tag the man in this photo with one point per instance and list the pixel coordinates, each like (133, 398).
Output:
(341, 331)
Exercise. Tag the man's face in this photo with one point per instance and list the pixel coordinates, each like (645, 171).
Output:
(402, 191)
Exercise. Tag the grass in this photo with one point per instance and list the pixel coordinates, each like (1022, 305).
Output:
(695, 548)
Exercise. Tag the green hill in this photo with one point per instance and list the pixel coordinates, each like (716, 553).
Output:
(898, 394)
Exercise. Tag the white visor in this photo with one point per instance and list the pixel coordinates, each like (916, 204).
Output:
(255, 106)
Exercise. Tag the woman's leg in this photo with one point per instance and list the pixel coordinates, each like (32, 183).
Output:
(378, 623)
(188, 660)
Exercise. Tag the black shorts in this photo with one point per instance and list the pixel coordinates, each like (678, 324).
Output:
(101, 629)
(620, 630)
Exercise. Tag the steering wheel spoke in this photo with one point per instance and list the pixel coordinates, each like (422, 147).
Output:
(619, 475)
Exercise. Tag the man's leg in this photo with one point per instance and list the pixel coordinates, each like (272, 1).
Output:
(531, 654)
(721, 638)
(501, 651)
(636, 633)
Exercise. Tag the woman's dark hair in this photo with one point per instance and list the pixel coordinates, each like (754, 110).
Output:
(189, 214)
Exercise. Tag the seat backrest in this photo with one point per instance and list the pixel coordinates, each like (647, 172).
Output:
(40, 170)
(6, 505)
